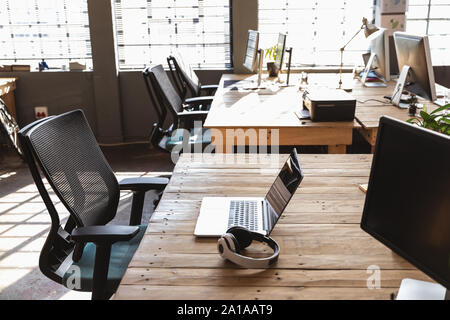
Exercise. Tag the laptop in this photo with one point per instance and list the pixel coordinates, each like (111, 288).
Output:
(218, 214)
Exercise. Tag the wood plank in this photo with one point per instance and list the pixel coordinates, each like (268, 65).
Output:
(139, 292)
(290, 244)
(266, 277)
(286, 261)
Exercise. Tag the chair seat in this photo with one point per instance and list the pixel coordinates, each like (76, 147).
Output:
(121, 254)
(194, 138)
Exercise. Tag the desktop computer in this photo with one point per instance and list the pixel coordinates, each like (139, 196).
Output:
(379, 60)
(253, 62)
(252, 52)
(414, 61)
(407, 205)
(281, 49)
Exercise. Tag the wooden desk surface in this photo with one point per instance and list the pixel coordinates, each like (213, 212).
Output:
(233, 109)
(369, 113)
(324, 253)
(247, 109)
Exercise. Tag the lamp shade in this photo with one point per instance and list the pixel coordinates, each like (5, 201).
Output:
(368, 28)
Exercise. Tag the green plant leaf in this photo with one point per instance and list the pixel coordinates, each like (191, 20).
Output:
(425, 116)
(447, 106)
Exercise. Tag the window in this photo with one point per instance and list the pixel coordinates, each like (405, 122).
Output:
(54, 30)
(432, 17)
(316, 29)
(150, 30)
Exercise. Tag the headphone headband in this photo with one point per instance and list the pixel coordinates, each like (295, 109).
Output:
(238, 238)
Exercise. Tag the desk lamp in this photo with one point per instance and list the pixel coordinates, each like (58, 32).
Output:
(368, 30)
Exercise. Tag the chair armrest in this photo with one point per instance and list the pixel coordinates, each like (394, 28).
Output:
(209, 88)
(192, 115)
(199, 100)
(104, 234)
(143, 183)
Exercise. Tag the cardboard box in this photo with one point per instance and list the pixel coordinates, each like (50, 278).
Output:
(392, 6)
(392, 22)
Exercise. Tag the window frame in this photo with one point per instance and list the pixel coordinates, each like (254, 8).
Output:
(427, 21)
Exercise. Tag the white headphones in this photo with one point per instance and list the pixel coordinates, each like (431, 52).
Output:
(238, 238)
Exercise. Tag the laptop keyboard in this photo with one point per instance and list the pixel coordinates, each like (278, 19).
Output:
(243, 213)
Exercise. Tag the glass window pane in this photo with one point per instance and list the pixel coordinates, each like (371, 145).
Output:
(149, 31)
(54, 30)
(316, 29)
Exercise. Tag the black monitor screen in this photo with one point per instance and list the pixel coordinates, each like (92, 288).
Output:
(408, 200)
(283, 188)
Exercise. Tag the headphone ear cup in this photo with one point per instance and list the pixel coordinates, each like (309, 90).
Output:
(233, 243)
(242, 237)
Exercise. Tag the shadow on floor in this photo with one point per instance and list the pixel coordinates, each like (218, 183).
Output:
(24, 221)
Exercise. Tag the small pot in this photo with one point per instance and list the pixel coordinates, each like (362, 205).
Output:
(272, 69)
(412, 109)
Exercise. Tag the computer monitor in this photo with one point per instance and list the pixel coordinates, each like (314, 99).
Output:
(251, 61)
(414, 62)
(251, 52)
(281, 48)
(407, 204)
(379, 59)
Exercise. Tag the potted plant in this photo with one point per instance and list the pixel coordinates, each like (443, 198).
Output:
(412, 101)
(271, 53)
(437, 120)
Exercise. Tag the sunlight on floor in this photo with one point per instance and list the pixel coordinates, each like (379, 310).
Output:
(24, 225)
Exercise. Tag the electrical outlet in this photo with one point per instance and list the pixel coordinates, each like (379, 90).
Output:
(40, 112)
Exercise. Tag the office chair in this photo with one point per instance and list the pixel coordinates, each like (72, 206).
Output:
(181, 131)
(185, 78)
(85, 254)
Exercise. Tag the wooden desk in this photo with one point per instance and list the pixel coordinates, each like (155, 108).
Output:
(269, 119)
(369, 113)
(7, 87)
(324, 253)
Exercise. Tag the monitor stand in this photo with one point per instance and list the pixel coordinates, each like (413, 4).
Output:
(376, 84)
(421, 290)
(289, 69)
(400, 85)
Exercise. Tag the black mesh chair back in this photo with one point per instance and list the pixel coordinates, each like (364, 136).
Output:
(76, 168)
(185, 76)
(158, 134)
(161, 112)
(165, 90)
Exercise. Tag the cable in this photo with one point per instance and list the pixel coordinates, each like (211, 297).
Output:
(384, 103)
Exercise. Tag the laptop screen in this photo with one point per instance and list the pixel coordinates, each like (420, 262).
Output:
(283, 188)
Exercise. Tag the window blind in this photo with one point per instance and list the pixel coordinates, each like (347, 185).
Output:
(316, 29)
(150, 30)
(432, 17)
(54, 30)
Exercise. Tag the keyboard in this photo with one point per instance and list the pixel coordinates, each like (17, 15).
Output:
(243, 213)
